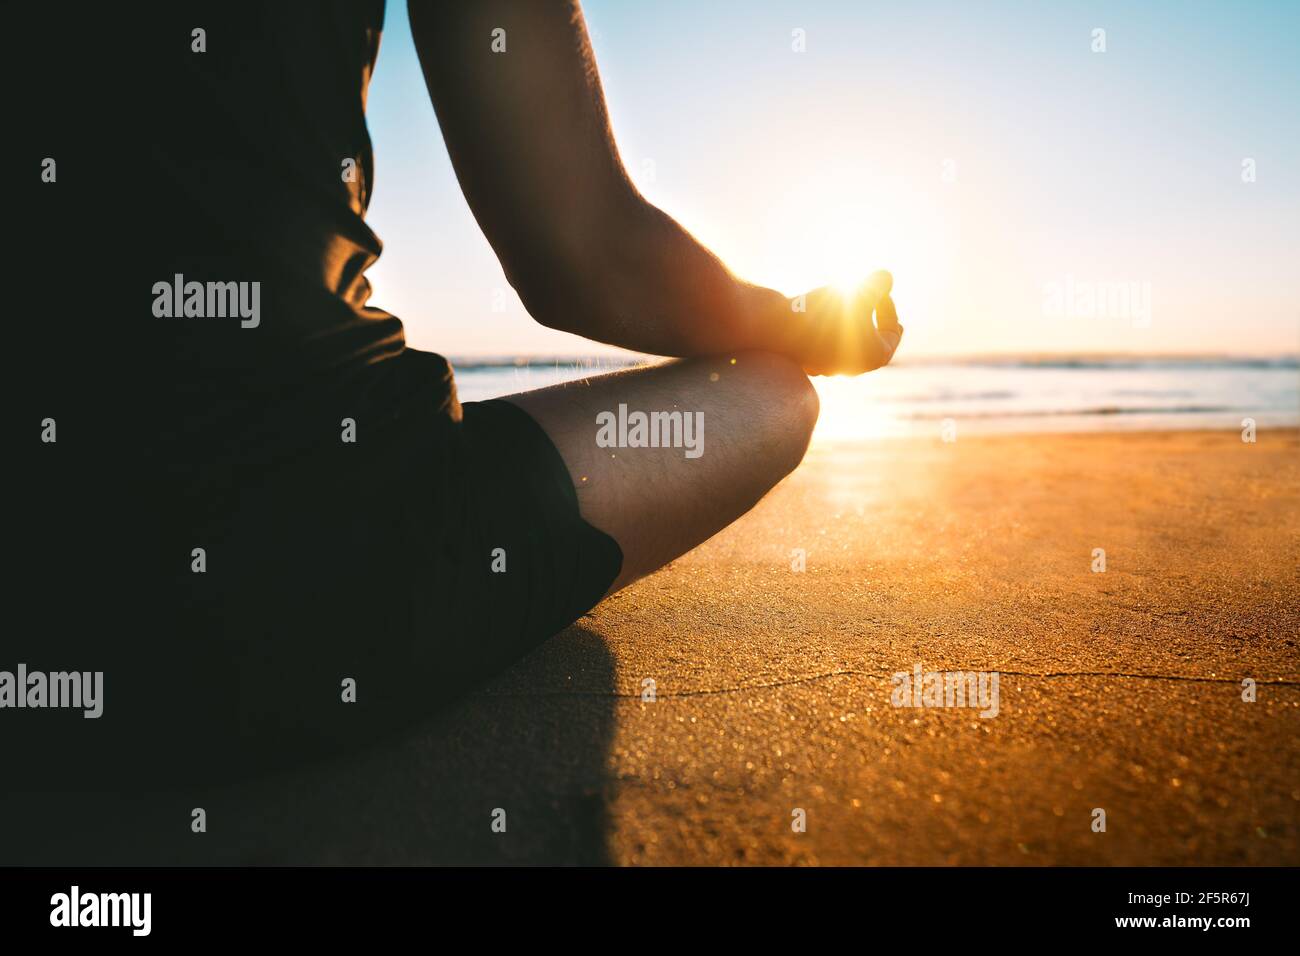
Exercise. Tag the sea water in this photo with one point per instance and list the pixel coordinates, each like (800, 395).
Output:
(997, 394)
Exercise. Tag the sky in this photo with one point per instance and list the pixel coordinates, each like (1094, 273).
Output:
(1030, 191)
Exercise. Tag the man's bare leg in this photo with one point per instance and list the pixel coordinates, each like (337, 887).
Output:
(758, 414)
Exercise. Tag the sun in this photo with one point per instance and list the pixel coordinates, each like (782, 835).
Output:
(841, 255)
(838, 226)
(834, 223)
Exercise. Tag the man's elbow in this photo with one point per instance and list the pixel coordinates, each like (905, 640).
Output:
(569, 291)
(580, 272)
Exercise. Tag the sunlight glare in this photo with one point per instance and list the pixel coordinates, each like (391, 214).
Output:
(838, 226)
(851, 410)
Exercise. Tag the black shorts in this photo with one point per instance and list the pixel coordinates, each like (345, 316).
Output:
(342, 594)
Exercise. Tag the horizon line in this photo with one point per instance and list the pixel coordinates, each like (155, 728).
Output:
(499, 360)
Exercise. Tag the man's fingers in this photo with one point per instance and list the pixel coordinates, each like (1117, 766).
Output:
(891, 339)
(874, 297)
(890, 332)
(878, 286)
(886, 315)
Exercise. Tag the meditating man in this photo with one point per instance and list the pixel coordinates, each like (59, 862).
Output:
(323, 541)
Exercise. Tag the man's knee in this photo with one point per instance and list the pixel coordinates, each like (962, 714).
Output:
(785, 403)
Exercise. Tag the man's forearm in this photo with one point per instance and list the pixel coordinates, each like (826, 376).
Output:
(650, 286)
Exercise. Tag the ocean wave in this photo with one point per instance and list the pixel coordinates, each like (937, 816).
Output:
(918, 399)
(1094, 410)
(1111, 363)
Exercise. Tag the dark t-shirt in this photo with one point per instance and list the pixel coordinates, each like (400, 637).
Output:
(236, 158)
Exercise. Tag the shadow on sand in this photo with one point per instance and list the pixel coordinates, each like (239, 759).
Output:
(534, 743)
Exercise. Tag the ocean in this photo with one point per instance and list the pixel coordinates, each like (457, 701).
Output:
(1012, 394)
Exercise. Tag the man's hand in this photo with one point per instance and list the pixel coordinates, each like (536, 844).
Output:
(830, 331)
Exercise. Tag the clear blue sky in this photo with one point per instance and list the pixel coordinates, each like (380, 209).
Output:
(982, 152)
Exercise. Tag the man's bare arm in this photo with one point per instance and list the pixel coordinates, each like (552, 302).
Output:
(531, 144)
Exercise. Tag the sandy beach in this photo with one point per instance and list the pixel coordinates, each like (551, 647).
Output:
(1119, 690)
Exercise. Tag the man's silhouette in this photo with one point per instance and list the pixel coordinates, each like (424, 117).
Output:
(241, 520)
